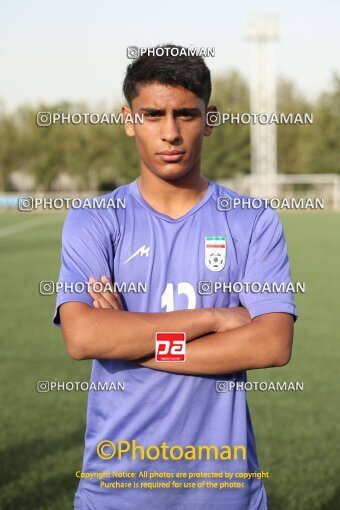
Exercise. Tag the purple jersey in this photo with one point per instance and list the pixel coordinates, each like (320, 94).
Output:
(162, 264)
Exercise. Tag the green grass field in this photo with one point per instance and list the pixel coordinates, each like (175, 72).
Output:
(298, 433)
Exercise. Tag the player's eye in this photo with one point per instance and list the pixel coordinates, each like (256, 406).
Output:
(152, 115)
(186, 115)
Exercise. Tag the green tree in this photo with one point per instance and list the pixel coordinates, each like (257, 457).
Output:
(227, 150)
(293, 140)
(324, 155)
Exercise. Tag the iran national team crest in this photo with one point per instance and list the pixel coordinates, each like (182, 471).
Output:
(215, 253)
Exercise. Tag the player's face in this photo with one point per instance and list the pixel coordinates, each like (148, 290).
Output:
(169, 141)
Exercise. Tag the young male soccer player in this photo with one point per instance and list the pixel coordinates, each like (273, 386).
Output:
(173, 237)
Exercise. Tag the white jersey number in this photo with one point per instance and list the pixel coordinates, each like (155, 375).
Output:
(182, 288)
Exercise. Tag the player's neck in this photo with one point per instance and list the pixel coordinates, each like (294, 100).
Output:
(173, 198)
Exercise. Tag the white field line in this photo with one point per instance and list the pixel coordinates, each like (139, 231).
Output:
(21, 227)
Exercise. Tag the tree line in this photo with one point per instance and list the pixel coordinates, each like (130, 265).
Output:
(104, 152)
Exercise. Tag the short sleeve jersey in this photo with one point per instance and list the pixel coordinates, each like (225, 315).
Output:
(161, 264)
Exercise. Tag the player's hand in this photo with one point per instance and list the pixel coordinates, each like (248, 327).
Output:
(106, 298)
(230, 318)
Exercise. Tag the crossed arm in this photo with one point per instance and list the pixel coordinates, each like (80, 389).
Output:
(220, 340)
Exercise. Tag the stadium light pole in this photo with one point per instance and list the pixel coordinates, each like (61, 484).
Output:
(262, 33)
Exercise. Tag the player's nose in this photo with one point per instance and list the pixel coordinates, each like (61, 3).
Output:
(170, 130)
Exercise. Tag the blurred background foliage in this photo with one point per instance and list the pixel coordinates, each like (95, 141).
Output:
(102, 157)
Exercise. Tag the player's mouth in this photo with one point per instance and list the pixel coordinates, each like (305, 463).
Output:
(171, 156)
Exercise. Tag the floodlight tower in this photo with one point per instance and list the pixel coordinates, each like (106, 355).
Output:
(263, 32)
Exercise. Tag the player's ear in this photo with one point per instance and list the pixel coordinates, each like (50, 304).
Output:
(128, 125)
(210, 119)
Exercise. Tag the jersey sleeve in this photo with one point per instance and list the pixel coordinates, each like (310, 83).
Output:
(85, 252)
(267, 263)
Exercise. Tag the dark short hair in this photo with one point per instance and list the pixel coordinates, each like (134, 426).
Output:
(184, 70)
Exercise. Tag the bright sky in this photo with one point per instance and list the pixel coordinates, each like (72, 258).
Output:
(76, 49)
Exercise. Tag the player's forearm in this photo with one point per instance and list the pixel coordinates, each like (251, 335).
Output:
(245, 348)
(115, 334)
